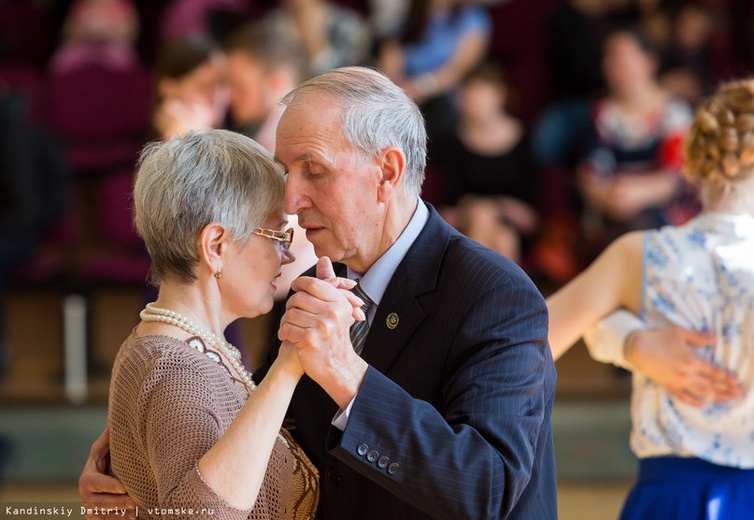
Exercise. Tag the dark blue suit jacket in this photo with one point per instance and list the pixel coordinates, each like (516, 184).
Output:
(453, 418)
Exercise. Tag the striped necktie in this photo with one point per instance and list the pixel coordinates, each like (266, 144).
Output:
(360, 329)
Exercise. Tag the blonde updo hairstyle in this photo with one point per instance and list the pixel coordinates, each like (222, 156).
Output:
(720, 144)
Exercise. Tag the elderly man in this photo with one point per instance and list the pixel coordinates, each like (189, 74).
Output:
(438, 404)
(450, 398)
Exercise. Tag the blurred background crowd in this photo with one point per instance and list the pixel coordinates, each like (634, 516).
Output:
(555, 125)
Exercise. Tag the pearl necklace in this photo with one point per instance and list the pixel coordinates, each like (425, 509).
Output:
(157, 314)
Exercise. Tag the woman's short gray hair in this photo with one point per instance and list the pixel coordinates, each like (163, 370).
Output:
(376, 114)
(194, 179)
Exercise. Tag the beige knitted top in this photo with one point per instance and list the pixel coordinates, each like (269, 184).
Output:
(169, 404)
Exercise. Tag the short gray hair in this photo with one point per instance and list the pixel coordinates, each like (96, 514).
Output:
(194, 179)
(376, 114)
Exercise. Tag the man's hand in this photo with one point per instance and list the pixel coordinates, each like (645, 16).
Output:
(100, 491)
(317, 322)
(669, 356)
(326, 272)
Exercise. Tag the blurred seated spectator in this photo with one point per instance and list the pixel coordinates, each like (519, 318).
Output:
(577, 30)
(97, 97)
(629, 177)
(330, 36)
(101, 32)
(438, 44)
(190, 86)
(490, 178)
(262, 68)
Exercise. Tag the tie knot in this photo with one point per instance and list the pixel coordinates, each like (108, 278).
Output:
(358, 291)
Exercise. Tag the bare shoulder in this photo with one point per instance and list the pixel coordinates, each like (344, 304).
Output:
(627, 248)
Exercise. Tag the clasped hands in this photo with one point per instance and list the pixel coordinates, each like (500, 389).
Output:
(316, 326)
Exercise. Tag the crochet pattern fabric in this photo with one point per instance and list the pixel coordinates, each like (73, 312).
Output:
(169, 404)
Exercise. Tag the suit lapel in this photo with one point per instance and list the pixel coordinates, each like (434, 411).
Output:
(415, 276)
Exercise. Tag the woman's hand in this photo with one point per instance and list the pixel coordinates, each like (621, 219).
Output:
(288, 359)
(670, 357)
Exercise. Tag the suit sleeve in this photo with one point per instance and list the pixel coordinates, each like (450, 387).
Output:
(474, 458)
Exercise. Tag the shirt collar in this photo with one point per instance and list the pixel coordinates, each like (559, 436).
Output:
(375, 281)
(739, 226)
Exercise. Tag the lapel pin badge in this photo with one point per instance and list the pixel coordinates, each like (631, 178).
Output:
(392, 320)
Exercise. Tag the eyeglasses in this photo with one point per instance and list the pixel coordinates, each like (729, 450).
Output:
(283, 238)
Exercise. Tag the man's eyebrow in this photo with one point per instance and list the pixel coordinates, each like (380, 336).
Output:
(304, 157)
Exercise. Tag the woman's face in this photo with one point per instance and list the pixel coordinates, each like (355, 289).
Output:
(626, 64)
(251, 270)
(479, 98)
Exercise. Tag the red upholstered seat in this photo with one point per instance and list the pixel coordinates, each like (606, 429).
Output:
(102, 115)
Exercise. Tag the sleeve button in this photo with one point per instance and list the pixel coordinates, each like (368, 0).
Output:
(362, 449)
(382, 462)
(393, 468)
(373, 455)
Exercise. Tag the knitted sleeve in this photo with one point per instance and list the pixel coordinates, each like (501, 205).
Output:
(183, 408)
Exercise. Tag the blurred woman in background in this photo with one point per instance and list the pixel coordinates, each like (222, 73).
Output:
(630, 175)
(489, 177)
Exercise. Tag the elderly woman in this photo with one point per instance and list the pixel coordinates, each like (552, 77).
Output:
(695, 462)
(188, 427)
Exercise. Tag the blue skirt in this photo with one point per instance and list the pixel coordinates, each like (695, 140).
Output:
(676, 488)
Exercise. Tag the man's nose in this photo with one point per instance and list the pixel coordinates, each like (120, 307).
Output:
(295, 198)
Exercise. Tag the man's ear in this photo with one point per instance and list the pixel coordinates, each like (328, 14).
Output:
(213, 244)
(392, 164)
